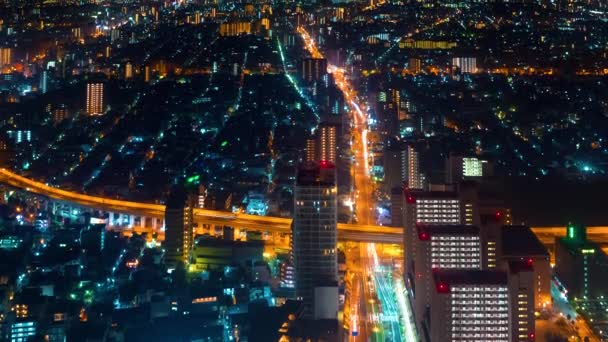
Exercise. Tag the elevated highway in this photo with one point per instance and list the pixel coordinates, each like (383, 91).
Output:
(354, 232)
(350, 232)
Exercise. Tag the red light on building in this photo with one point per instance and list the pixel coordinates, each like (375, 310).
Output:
(324, 164)
(532, 336)
(410, 199)
(443, 288)
(498, 216)
(424, 236)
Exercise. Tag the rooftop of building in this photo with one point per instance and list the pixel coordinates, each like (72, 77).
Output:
(322, 173)
(520, 241)
(177, 198)
(424, 194)
(580, 247)
(521, 265)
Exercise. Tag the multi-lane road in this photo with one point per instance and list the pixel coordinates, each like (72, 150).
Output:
(374, 312)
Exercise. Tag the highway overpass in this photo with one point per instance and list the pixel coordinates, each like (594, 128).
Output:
(350, 232)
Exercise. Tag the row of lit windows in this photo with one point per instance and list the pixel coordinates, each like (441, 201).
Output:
(480, 315)
(456, 266)
(479, 295)
(455, 244)
(457, 288)
(467, 252)
(454, 237)
(437, 209)
(468, 337)
(455, 258)
(455, 261)
(435, 221)
(461, 253)
(480, 325)
(470, 305)
(458, 258)
(446, 201)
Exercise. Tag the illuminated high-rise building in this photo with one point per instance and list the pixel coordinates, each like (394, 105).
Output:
(402, 167)
(455, 247)
(415, 65)
(114, 35)
(147, 74)
(76, 32)
(481, 305)
(459, 168)
(5, 56)
(315, 239)
(59, 114)
(22, 330)
(581, 265)
(520, 243)
(202, 196)
(415, 179)
(313, 69)
(469, 306)
(394, 172)
(428, 208)
(323, 146)
(326, 142)
(95, 99)
(235, 28)
(179, 233)
(465, 64)
(44, 79)
(128, 70)
(310, 151)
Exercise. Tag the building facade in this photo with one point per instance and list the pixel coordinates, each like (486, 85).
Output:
(179, 232)
(315, 232)
(95, 105)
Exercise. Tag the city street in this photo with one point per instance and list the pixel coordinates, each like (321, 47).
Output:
(376, 313)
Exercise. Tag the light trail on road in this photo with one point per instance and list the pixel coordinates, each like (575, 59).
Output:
(391, 292)
(390, 328)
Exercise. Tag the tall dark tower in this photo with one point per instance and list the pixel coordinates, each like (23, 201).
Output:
(179, 233)
(315, 238)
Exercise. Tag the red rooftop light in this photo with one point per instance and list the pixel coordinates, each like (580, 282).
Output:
(498, 216)
(410, 199)
(532, 336)
(529, 262)
(424, 236)
(443, 288)
(325, 164)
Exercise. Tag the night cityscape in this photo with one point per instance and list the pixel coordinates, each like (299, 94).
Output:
(376, 170)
